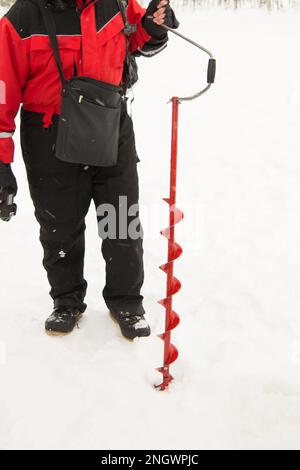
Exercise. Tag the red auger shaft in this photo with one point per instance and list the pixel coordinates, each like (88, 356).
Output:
(175, 216)
(174, 251)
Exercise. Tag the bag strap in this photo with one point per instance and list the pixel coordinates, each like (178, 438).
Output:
(128, 28)
(51, 31)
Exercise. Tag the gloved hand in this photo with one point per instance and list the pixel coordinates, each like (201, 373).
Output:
(162, 13)
(8, 189)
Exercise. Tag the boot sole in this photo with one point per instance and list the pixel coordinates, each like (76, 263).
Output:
(62, 333)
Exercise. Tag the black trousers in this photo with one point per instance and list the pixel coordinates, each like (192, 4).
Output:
(62, 193)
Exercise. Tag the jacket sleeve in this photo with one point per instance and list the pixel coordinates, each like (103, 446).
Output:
(13, 74)
(141, 43)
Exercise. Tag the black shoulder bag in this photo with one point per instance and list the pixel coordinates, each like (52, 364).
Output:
(88, 127)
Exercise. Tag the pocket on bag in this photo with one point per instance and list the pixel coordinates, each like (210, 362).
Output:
(88, 133)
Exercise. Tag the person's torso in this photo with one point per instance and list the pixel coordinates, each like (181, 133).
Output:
(90, 40)
(91, 43)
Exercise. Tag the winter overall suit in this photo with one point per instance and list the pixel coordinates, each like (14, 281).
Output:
(91, 43)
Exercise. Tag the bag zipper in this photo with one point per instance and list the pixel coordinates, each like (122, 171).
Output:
(96, 101)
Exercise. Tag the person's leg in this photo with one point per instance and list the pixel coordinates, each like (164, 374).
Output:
(61, 193)
(123, 253)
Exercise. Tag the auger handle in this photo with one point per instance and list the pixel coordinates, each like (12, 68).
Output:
(211, 69)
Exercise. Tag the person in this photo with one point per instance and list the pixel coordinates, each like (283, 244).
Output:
(91, 43)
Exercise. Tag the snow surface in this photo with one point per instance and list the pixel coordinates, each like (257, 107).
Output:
(237, 383)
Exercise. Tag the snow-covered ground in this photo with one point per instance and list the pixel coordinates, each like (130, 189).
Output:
(238, 376)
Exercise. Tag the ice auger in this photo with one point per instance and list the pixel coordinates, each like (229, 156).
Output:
(175, 215)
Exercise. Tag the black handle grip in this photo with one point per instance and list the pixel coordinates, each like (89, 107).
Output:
(211, 71)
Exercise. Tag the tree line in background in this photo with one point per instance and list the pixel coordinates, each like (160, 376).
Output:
(269, 4)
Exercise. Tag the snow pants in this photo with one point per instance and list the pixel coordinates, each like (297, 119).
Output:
(62, 193)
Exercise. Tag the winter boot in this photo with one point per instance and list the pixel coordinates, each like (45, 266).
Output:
(63, 320)
(132, 325)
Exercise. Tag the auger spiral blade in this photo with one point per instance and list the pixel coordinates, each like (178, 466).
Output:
(174, 252)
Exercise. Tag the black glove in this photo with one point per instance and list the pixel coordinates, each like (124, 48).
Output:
(8, 189)
(154, 29)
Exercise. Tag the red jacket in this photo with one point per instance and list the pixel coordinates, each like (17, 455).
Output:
(91, 43)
